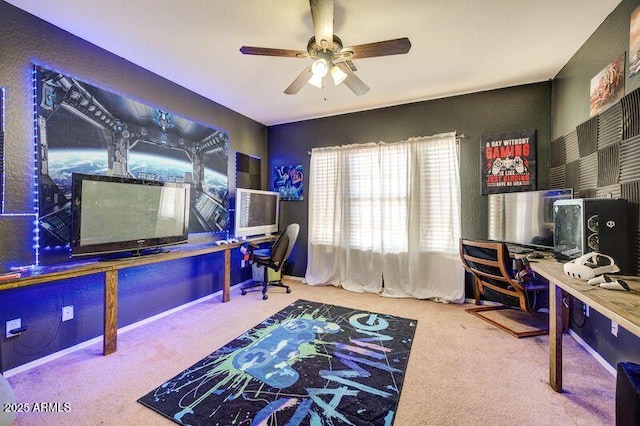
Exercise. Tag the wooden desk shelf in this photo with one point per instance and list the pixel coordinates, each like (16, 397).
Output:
(622, 307)
(43, 275)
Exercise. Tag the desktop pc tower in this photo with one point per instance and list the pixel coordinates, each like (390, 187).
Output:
(584, 225)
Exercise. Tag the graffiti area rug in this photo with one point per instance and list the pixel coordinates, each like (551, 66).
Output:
(309, 364)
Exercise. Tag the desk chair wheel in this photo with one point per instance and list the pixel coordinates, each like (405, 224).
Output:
(265, 297)
(288, 290)
(244, 293)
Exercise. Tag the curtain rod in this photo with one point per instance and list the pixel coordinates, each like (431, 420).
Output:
(462, 136)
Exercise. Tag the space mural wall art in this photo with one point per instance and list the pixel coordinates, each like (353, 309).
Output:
(83, 128)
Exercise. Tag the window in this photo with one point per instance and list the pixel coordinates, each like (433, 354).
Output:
(371, 186)
(325, 175)
(385, 218)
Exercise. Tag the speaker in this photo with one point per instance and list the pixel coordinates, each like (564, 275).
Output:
(584, 225)
(628, 394)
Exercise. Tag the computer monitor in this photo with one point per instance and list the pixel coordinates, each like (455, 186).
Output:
(257, 212)
(525, 218)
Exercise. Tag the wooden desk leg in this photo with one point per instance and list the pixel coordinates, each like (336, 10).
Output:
(226, 286)
(555, 337)
(110, 344)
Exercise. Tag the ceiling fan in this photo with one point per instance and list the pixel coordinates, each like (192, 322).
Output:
(329, 55)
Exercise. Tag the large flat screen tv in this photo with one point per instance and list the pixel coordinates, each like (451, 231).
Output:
(525, 218)
(257, 212)
(125, 215)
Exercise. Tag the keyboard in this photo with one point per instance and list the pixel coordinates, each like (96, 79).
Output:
(519, 249)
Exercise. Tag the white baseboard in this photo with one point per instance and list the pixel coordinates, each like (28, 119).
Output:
(593, 353)
(572, 333)
(145, 321)
(482, 302)
(41, 361)
(95, 340)
(294, 278)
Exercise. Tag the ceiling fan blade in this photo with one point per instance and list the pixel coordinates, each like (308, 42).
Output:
(351, 65)
(356, 85)
(322, 14)
(267, 51)
(398, 46)
(299, 82)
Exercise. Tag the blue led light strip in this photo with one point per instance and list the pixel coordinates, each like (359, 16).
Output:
(36, 143)
(2, 150)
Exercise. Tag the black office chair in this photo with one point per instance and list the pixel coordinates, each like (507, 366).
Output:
(273, 258)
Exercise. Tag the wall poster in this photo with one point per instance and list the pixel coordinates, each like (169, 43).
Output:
(508, 162)
(634, 43)
(288, 181)
(82, 128)
(607, 87)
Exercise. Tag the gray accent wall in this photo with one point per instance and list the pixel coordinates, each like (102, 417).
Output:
(27, 40)
(570, 104)
(513, 108)
(553, 108)
(143, 291)
(569, 115)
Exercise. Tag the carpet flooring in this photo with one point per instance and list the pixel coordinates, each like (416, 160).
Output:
(462, 370)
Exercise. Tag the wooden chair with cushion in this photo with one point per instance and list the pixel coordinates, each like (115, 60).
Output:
(489, 263)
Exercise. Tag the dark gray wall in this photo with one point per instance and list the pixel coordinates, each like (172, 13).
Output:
(143, 291)
(570, 104)
(514, 108)
(570, 108)
(27, 40)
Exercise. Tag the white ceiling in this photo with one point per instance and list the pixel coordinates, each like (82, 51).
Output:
(458, 46)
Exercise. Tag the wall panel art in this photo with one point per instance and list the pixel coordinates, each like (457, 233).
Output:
(83, 128)
(289, 182)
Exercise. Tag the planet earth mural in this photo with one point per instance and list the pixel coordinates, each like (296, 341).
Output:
(64, 162)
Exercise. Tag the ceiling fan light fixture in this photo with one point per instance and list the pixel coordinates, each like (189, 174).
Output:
(317, 80)
(320, 67)
(338, 75)
(325, 47)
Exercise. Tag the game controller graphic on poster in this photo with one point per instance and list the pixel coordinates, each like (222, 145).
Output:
(508, 162)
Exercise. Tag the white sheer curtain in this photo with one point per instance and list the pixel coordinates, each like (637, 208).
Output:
(385, 218)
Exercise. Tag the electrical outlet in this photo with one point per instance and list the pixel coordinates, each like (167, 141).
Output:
(13, 324)
(614, 328)
(67, 313)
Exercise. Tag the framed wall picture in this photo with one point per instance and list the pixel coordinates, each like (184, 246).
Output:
(508, 162)
(289, 182)
(607, 87)
(634, 43)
